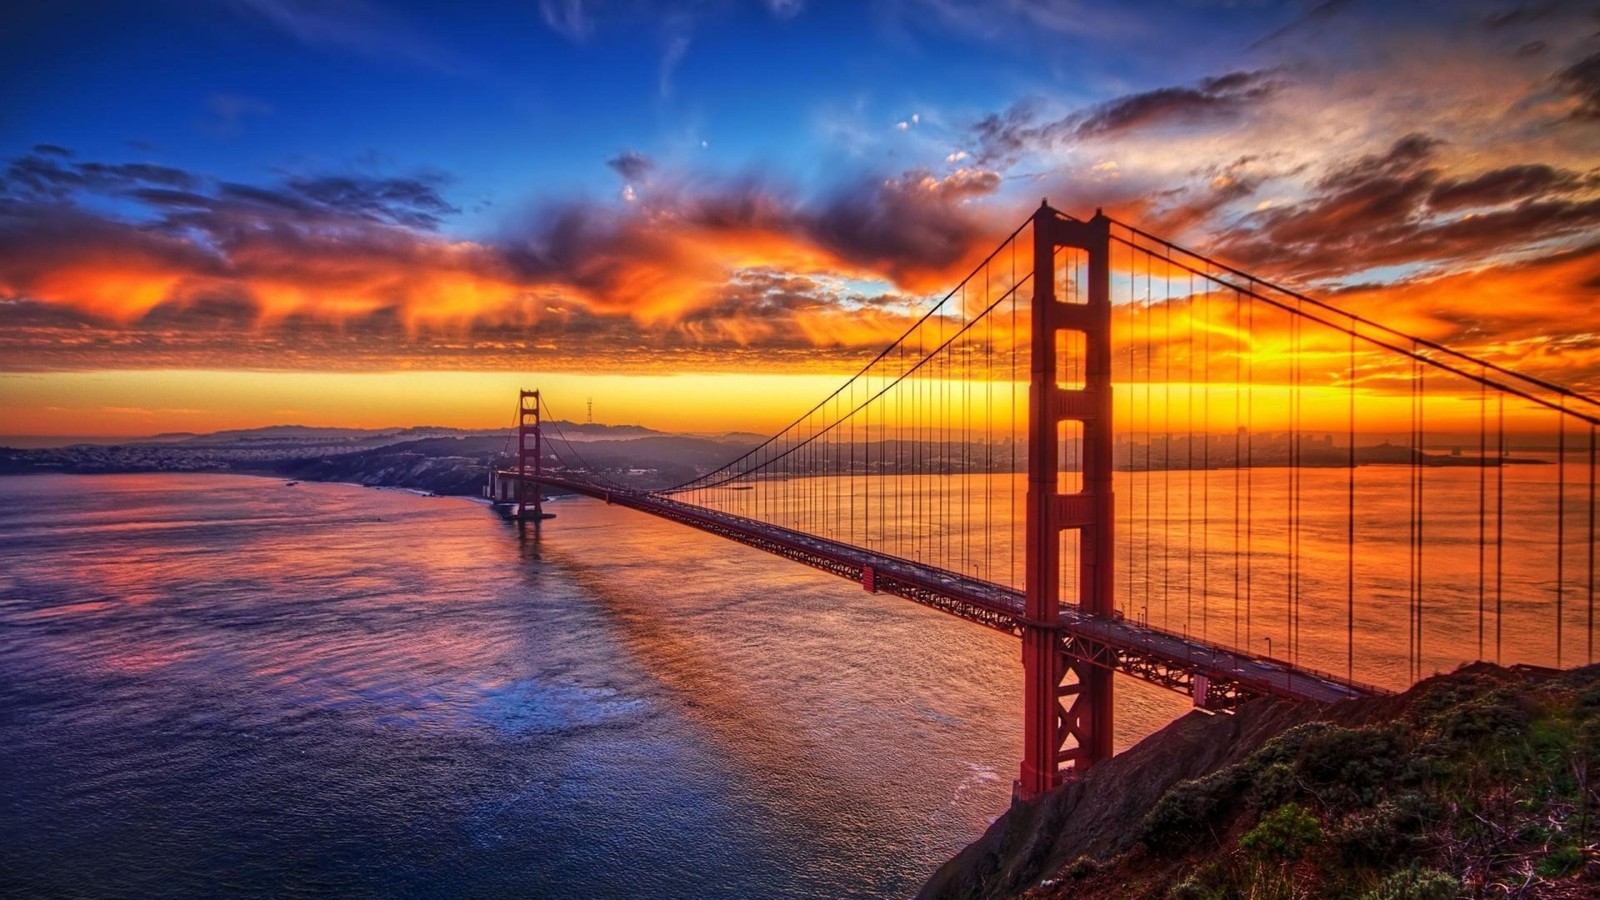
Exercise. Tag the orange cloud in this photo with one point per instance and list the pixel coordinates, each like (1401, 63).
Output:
(340, 252)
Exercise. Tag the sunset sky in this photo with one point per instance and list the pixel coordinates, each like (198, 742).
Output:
(250, 212)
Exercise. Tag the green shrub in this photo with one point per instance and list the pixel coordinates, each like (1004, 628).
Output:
(1440, 696)
(1211, 881)
(1349, 766)
(1195, 888)
(1284, 834)
(1589, 697)
(1185, 810)
(1375, 836)
(1498, 713)
(1561, 862)
(1416, 884)
(1082, 867)
(1274, 786)
(1286, 747)
(1416, 810)
(1192, 807)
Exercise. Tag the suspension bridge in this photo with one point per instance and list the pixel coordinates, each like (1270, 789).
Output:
(1142, 461)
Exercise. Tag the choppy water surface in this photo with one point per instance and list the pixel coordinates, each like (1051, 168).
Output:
(222, 684)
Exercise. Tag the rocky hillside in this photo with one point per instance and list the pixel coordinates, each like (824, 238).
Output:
(1482, 783)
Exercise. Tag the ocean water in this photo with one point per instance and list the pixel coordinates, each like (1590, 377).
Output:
(218, 684)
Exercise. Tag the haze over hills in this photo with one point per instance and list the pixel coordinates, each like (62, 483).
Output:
(440, 460)
(316, 435)
(456, 461)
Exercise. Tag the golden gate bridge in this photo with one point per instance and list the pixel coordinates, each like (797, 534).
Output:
(1137, 459)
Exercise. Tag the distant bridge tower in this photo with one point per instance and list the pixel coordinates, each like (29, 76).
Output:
(529, 460)
(1056, 712)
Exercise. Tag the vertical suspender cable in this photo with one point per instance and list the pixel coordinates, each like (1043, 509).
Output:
(1293, 563)
(1561, 520)
(1499, 520)
(1016, 521)
(1166, 443)
(1149, 436)
(1205, 465)
(1483, 478)
(988, 433)
(1249, 463)
(1421, 505)
(1137, 406)
(1412, 537)
(1350, 523)
(966, 446)
(1589, 646)
(1188, 468)
(1238, 458)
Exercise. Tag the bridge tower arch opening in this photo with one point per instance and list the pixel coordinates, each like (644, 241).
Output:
(1067, 696)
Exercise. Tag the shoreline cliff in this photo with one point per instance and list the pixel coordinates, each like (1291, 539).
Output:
(1484, 782)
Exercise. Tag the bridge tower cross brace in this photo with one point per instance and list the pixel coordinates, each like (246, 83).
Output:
(1067, 724)
(528, 426)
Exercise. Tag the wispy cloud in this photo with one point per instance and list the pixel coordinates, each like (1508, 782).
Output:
(1399, 207)
(1581, 80)
(569, 18)
(1006, 20)
(354, 25)
(227, 113)
(1212, 101)
(785, 9)
(676, 47)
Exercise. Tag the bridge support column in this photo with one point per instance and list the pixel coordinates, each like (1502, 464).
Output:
(1067, 724)
(530, 496)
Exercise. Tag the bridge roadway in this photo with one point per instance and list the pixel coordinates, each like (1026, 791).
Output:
(1217, 677)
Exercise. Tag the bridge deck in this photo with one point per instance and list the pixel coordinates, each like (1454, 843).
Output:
(1218, 677)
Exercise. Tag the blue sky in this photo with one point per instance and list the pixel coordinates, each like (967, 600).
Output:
(514, 102)
(362, 186)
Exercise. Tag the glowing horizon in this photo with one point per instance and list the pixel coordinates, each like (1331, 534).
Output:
(678, 403)
(245, 252)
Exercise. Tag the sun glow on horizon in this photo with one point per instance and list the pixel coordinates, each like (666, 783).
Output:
(143, 403)
(140, 403)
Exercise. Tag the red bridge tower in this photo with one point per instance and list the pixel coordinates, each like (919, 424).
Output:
(528, 475)
(1067, 723)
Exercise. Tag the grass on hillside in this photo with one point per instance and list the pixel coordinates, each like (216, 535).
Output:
(1482, 784)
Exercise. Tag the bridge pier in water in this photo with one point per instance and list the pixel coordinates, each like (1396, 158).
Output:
(1067, 723)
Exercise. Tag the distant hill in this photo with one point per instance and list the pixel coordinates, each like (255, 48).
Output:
(312, 434)
(460, 464)
(590, 431)
(739, 437)
(306, 434)
(457, 460)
